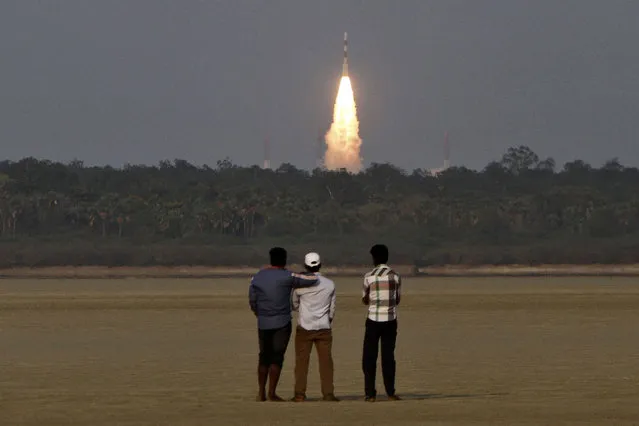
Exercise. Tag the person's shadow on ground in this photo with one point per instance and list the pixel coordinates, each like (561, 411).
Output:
(412, 396)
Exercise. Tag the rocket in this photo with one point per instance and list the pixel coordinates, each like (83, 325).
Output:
(345, 64)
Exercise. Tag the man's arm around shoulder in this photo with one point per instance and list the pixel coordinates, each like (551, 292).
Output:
(303, 280)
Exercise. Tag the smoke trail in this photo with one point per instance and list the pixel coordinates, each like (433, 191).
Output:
(342, 140)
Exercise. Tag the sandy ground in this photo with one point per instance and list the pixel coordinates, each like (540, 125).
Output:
(183, 352)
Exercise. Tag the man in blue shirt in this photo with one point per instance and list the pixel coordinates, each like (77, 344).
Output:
(270, 300)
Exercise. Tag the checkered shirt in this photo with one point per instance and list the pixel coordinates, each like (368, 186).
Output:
(382, 286)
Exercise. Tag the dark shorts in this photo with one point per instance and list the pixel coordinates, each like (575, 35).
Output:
(273, 344)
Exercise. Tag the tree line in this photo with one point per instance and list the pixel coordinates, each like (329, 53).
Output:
(519, 209)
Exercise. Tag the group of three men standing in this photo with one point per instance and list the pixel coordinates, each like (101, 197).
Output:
(275, 291)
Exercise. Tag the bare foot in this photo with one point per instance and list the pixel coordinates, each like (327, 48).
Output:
(260, 397)
(275, 398)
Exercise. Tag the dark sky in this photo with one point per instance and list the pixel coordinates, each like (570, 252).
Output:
(137, 81)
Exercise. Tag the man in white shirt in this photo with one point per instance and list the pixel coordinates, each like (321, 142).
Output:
(316, 310)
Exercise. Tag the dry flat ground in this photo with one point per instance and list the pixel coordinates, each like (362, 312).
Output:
(183, 352)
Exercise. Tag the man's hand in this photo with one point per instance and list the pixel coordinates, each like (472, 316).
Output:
(366, 299)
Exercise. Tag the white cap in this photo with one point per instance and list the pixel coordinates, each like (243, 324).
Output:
(312, 259)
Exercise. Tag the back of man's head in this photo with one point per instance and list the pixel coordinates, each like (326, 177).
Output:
(312, 262)
(379, 252)
(278, 257)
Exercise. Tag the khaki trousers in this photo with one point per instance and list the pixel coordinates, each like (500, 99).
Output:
(304, 340)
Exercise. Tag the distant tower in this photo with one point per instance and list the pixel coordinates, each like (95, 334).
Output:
(446, 152)
(319, 163)
(267, 154)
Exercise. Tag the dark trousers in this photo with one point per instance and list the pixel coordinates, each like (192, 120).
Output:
(304, 341)
(386, 332)
(273, 343)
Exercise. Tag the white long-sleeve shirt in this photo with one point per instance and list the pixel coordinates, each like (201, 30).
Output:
(315, 305)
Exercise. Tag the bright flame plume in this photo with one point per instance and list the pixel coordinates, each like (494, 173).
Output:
(342, 140)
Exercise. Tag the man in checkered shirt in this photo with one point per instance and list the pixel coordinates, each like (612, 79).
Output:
(382, 295)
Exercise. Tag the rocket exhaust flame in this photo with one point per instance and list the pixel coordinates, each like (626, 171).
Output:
(342, 140)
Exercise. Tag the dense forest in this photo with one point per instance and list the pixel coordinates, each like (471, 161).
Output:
(520, 209)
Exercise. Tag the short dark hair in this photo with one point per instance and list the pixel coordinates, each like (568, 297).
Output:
(315, 268)
(278, 256)
(379, 253)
